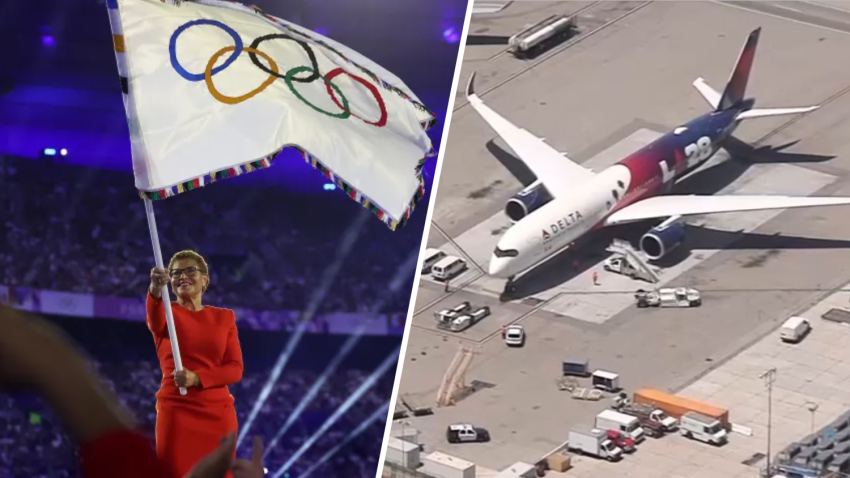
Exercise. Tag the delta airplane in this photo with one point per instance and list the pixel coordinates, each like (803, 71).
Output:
(568, 200)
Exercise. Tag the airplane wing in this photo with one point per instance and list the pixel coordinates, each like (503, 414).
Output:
(765, 112)
(668, 206)
(488, 7)
(555, 170)
(711, 95)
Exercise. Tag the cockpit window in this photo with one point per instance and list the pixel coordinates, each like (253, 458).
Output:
(508, 253)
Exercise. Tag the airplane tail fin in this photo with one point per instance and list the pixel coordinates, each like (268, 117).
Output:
(733, 95)
(736, 88)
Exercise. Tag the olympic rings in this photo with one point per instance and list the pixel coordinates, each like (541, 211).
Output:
(172, 48)
(284, 36)
(372, 89)
(239, 99)
(274, 72)
(345, 113)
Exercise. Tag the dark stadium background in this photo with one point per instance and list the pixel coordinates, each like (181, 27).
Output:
(75, 224)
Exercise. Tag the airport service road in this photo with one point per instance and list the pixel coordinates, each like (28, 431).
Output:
(641, 68)
(815, 371)
(490, 32)
(497, 67)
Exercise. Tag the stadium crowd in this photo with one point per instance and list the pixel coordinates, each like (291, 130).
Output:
(34, 445)
(75, 229)
(85, 231)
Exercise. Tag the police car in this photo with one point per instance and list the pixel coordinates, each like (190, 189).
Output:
(466, 433)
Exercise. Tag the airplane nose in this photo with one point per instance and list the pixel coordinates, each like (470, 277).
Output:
(497, 266)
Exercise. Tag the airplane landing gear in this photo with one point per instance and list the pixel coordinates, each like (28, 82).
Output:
(509, 285)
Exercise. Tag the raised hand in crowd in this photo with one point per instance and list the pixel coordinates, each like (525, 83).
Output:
(220, 461)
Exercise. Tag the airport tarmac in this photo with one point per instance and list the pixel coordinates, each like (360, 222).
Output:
(629, 77)
(813, 372)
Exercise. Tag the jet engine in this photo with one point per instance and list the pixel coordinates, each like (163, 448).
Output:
(527, 201)
(660, 240)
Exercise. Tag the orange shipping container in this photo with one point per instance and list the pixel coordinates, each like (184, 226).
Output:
(676, 406)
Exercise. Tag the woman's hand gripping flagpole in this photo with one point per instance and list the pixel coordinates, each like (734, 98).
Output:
(166, 299)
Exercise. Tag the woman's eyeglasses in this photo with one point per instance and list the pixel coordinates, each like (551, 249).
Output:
(190, 272)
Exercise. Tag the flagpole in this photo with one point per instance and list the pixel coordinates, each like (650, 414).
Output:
(166, 299)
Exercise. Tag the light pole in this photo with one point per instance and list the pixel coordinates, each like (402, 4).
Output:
(404, 442)
(812, 407)
(769, 376)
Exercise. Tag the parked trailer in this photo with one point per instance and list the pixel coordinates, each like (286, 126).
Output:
(676, 406)
(530, 38)
(403, 453)
(441, 465)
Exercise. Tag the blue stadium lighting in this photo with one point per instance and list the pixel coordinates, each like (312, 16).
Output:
(388, 362)
(451, 35)
(63, 152)
(49, 152)
(343, 249)
(48, 40)
(330, 187)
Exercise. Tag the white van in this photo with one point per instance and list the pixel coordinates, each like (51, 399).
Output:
(431, 257)
(703, 428)
(794, 329)
(448, 267)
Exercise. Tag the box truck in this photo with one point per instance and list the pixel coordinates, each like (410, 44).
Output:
(594, 442)
(625, 424)
(676, 406)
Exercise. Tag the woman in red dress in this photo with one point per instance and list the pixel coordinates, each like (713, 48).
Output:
(192, 426)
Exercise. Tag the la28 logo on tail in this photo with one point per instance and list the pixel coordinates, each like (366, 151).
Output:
(699, 151)
(695, 153)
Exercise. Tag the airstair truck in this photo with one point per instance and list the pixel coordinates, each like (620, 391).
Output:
(676, 406)
(626, 261)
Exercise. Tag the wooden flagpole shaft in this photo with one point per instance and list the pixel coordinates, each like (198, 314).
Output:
(166, 299)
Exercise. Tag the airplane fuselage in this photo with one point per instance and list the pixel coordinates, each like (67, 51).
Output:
(649, 171)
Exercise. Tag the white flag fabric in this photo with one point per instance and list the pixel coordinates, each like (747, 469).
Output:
(214, 89)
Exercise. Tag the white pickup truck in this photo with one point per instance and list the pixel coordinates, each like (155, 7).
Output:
(445, 316)
(467, 320)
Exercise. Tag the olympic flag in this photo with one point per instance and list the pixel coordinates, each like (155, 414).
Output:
(214, 89)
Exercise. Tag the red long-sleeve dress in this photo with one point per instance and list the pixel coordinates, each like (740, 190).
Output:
(190, 427)
(124, 453)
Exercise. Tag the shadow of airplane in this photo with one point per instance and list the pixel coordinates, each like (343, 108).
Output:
(566, 265)
(770, 154)
(514, 165)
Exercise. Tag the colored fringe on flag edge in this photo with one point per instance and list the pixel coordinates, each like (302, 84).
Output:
(350, 191)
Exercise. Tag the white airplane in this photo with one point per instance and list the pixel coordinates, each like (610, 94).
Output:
(568, 200)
